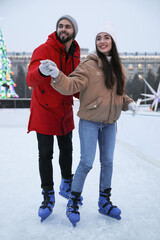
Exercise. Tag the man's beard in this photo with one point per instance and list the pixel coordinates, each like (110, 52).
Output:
(65, 39)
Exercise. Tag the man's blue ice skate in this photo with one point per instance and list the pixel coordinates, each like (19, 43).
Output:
(65, 189)
(106, 207)
(72, 209)
(47, 205)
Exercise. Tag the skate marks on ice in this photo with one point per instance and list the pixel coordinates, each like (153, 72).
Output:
(135, 189)
(139, 154)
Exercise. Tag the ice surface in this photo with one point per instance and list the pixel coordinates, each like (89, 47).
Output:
(135, 184)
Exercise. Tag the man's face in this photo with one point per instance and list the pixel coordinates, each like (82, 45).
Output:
(65, 31)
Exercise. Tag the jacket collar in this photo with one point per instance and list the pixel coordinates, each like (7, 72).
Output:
(94, 56)
(53, 42)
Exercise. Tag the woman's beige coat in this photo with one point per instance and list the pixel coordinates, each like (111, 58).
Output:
(97, 103)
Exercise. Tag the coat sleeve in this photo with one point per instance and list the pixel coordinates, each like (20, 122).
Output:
(126, 101)
(34, 77)
(72, 84)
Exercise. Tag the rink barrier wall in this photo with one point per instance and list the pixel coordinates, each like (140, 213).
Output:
(15, 103)
(140, 135)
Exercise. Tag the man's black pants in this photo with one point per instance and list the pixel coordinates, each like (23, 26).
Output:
(45, 147)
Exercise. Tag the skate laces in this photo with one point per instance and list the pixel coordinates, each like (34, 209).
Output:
(69, 184)
(108, 201)
(47, 199)
(107, 197)
(73, 205)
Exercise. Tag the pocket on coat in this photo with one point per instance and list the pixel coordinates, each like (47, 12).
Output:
(94, 104)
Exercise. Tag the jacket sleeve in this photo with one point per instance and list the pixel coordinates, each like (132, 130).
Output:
(34, 77)
(72, 84)
(126, 101)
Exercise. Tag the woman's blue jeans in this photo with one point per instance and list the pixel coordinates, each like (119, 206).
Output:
(90, 133)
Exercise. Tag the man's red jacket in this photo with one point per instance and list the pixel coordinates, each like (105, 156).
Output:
(51, 113)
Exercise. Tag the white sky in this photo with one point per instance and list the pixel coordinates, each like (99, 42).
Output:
(27, 24)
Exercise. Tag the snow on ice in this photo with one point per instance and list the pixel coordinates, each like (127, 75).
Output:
(135, 184)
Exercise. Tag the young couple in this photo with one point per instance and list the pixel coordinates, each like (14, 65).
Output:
(99, 81)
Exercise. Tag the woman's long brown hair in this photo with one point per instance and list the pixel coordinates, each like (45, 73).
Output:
(114, 68)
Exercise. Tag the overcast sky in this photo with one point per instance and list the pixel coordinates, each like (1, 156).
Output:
(27, 23)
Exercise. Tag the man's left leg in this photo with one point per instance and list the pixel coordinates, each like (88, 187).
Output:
(65, 162)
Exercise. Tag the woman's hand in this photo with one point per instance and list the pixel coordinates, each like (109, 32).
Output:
(48, 67)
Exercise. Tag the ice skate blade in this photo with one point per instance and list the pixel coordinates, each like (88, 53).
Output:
(104, 213)
(44, 217)
(73, 221)
(64, 195)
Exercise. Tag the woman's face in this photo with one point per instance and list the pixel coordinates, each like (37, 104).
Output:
(104, 43)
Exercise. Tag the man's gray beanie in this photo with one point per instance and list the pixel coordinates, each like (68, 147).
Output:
(72, 20)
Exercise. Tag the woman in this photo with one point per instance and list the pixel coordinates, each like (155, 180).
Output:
(100, 79)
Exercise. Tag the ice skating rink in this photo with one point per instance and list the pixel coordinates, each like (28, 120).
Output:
(135, 184)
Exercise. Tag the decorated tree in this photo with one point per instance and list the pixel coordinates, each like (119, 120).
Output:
(7, 84)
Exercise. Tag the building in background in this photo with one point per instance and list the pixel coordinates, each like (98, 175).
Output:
(134, 63)
(140, 63)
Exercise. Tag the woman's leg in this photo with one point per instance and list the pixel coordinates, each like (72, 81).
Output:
(88, 133)
(106, 139)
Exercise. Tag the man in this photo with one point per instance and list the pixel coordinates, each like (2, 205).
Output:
(51, 113)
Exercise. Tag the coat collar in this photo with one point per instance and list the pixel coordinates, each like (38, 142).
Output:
(94, 56)
(53, 41)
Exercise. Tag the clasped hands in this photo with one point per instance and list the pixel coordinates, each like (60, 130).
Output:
(49, 68)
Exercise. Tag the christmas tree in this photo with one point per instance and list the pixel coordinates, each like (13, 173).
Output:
(6, 82)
